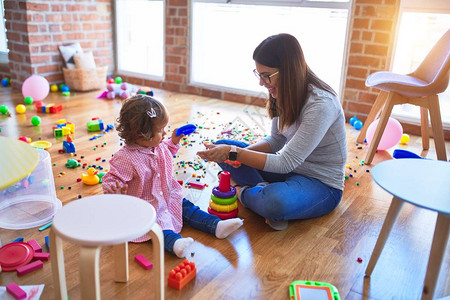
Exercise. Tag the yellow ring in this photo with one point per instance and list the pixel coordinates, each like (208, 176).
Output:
(222, 208)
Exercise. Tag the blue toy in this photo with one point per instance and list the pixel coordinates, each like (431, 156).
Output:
(186, 129)
(400, 153)
(358, 124)
(352, 120)
(68, 146)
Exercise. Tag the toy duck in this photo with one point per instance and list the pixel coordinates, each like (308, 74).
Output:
(91, 177)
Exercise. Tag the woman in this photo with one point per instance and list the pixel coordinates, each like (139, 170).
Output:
(298, 171)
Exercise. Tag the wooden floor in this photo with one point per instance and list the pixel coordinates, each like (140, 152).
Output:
(255, 262)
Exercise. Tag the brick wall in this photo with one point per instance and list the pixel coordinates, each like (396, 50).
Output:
(35, 29)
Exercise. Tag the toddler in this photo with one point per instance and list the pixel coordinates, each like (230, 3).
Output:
(143, 168)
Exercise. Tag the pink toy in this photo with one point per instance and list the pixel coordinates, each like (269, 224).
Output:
(15, 291)
(199, 186)
(122, 90)
(29, 268)
(391, 135)
(41, 256)
(36, 247)
(145, 263)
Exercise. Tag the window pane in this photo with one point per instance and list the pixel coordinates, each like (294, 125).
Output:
(418, 33)
(225, 35)
(140, 36)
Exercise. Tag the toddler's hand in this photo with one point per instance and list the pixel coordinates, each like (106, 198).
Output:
(176, 138)
(118, 189)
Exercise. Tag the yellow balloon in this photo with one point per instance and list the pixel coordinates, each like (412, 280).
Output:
(21, 108)
(404, 139)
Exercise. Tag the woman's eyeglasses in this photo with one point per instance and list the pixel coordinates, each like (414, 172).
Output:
(265, 78)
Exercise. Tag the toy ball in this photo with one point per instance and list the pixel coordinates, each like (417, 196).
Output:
(124, 86)
(4, 109)
(5, 82)
(352, 120)
(61, 86)
(21, 109)
(391, 135)
(124, 95)
(36, 120)
(28, 100)
(110, 80)
(110, 95)
(118, 79)
(54, 88)
(65, 88)
(404, 139)
(35, 86)
(358, 124)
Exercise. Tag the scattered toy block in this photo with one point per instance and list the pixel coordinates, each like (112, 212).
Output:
(35, 245)
(199, 186)
(29, 268)
(57, 132)
(47, 242)
(41, 256)
(145, 263)
(95, 125)
(14, 290)
(19, 239)
(181, 274)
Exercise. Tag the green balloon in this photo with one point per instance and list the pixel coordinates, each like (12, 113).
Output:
(35, 120)
(28, 100)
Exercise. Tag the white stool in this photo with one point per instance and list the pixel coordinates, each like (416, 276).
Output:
(102, 220)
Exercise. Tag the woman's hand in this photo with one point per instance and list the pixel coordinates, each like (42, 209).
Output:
(217, 153)
(119, 189)
(176, 138)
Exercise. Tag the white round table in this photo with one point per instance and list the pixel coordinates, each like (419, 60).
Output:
(426, 184)
(95, 221)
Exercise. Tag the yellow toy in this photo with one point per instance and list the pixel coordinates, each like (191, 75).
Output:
(91, 177)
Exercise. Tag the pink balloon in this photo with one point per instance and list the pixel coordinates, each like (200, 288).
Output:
(391, 135)
(36, 87)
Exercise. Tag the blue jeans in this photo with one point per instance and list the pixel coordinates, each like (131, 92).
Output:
(195, 217)
(286, 196)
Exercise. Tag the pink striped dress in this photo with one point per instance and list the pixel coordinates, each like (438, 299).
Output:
(148, 173)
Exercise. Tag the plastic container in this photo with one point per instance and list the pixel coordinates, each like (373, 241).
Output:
(32, 201)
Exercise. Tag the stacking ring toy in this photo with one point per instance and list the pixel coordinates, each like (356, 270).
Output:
(224, 215)
(218, 193)
(223, 208)
(223, 201)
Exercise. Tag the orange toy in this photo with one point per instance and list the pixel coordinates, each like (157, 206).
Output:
(181, 274)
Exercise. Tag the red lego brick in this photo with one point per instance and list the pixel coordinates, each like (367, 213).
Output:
(181, 274)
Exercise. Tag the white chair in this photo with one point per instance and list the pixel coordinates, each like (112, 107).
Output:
(102, 220)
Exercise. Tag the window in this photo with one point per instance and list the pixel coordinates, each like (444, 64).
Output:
(140, 38)
(224, 36)
(419, 29)
(3, 40)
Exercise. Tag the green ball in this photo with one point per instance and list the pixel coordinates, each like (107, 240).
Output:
(118, 79)
(28, 100)
(3, 109)
(35, 120)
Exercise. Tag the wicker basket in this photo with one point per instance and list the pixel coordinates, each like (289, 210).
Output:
(85, 79)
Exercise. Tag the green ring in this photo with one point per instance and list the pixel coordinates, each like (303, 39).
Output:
(223, 201)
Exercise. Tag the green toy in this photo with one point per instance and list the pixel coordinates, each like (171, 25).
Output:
(312, 290)
(72, 163)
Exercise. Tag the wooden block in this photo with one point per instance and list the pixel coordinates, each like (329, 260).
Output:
(145, 263)
(15, 291)
(199, 186)
(41, 256)
(29, 268)
(35, 245)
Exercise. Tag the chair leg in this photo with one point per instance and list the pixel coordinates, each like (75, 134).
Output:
(384, 117)
(121, 270)
(437, 252)
(436, 125)
(89, 273)
(391, 216)
(424, 128)
(58, 268)
(373, 114)
(158, 258)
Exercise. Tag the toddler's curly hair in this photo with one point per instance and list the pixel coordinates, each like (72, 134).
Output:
(138, 115)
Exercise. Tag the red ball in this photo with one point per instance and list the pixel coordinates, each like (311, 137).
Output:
(111, 80)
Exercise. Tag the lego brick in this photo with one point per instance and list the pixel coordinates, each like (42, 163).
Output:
(58, 132)
(181, 274)
(145, 263)
(14, 290)
(29, 268)
(56, 108)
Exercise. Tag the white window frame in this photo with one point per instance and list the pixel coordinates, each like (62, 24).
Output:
(430, 6)
(3, 55)
(116, 49)
(299, 3)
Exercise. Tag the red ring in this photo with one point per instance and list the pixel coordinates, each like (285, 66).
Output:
(224, 215)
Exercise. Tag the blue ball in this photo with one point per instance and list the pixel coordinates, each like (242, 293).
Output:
(358, 124)
(65, 88)
(5, 82)
(352, 120)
